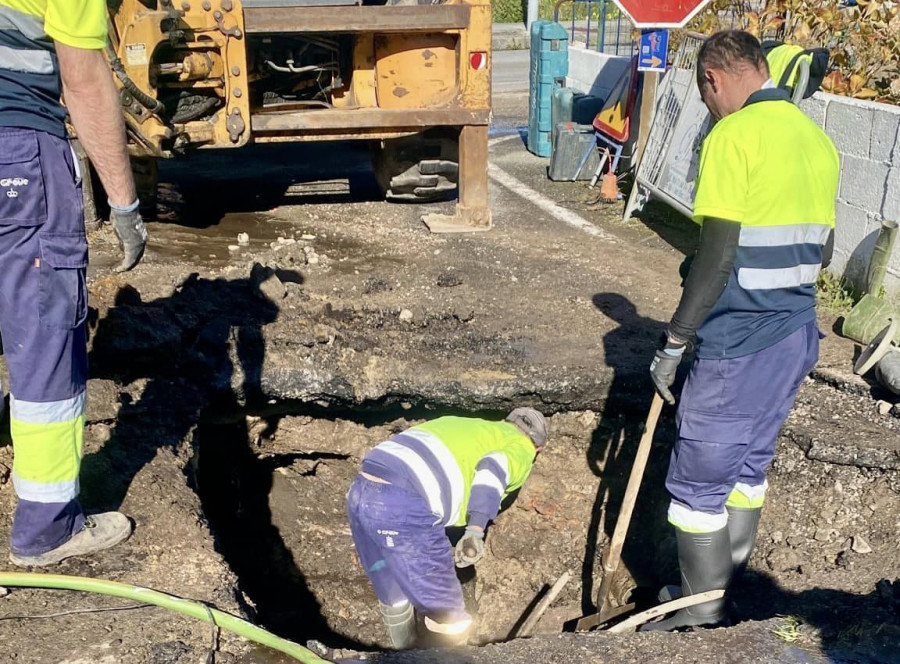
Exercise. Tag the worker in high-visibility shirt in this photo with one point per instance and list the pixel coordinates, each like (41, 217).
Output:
(452, 471)
(765, 197)
(784, 65)
(48, 49)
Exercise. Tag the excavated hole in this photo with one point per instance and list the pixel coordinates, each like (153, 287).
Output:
(273, 491)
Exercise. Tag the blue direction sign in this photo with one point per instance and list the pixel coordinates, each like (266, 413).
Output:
(654, 48)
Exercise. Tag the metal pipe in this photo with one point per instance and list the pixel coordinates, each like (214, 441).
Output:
(532, 14)
(601, 45)
(587, 35)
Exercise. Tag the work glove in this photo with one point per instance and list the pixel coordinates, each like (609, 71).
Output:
(470, 549)
(132, 234)
(663, 367)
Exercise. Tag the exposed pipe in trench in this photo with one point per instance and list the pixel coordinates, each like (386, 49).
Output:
(186, 607)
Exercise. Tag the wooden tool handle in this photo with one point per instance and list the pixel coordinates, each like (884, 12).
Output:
(613, 554)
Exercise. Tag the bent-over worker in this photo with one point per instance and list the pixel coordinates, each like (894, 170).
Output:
(451, 471)
(50, 48)
(765, 197)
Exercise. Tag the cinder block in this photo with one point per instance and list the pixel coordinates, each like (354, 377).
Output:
(850, 127)
(863, 182)
(891, 207)
(839, 262)
(895, 158)
(854, 237)
(858, 262)
(850, 227)
(884, 133)
(814, 107)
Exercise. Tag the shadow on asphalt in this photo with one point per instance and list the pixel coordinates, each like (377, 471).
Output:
(201, 353)
(671, 226)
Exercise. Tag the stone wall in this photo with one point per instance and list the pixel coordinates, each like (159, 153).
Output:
(592, 72)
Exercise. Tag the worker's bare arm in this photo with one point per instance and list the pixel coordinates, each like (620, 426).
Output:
(92, 100)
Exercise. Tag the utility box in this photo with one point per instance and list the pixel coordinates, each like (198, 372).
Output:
(549, 67)
(569, 105)
(572, 144)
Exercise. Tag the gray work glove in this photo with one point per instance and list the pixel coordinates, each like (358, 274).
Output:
(470, 549)
(663, 367)
(132, 234)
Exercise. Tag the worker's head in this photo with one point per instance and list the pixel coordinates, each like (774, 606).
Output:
(731, 66)
(532, 423)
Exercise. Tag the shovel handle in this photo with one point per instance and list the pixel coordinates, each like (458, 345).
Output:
(613, 554)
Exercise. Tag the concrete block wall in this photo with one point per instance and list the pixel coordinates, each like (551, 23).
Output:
(867, 136)
(592, 72)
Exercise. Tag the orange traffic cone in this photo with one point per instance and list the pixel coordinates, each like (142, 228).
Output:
(609, 188)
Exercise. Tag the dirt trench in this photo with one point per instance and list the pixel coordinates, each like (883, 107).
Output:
(275, 502)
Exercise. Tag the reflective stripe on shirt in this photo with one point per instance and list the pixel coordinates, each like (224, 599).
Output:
(780, 236)
(434, 468)
(781, 277)
(27, 61)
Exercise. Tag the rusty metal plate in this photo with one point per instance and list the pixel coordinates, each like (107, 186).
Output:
(415, 71)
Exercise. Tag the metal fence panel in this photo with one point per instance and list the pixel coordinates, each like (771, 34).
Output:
(668, 168)
(598, 25)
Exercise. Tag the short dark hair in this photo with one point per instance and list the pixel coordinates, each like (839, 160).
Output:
(730, 50)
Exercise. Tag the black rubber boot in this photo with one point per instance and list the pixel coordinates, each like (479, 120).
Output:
(742, 526)
(401, 624)
(705, 560)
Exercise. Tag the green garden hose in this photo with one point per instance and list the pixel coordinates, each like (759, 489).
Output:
(178, 604)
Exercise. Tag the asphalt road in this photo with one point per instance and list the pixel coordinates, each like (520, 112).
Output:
(510, 71)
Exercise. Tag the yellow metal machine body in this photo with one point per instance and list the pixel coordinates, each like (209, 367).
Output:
(223, 73)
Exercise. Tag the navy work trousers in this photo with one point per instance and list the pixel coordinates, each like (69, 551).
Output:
(403, 549)
(43, 306)
(729, 417)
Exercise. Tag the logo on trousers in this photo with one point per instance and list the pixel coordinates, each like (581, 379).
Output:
(388, 537)
(13, 182)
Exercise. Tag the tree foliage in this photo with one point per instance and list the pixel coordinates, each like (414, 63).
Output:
(864, 40)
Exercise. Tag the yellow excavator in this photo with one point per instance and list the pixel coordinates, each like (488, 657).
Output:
(409, 76)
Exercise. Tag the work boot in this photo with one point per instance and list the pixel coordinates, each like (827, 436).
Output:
(401, 624)
(742, 526)
(100, 531)
(705, 560)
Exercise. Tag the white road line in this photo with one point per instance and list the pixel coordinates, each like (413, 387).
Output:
(519, 188)
(501, 138)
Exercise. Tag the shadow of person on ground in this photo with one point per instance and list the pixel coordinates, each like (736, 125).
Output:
(628, 349)
(199, 354)
(857, 628)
